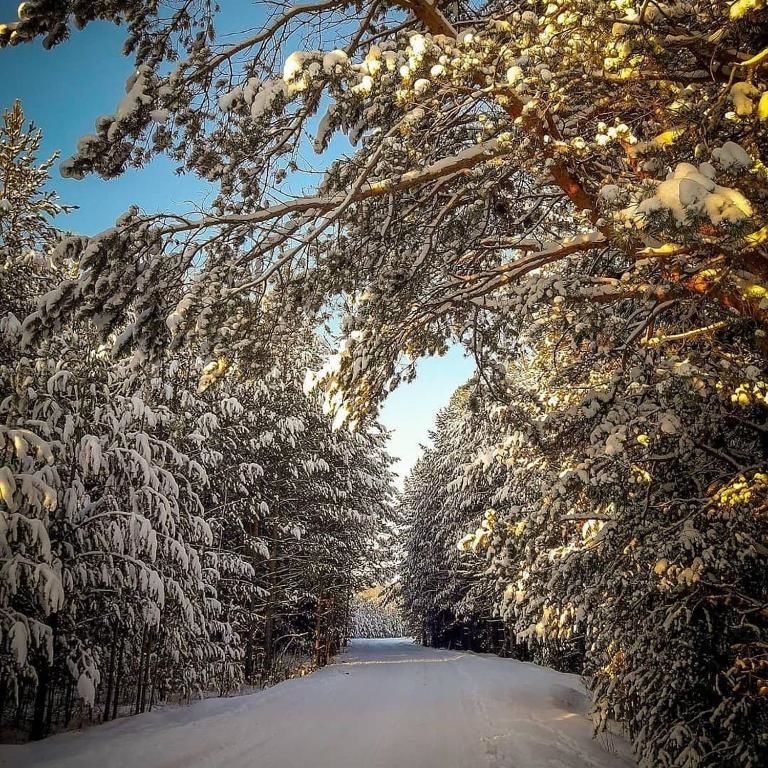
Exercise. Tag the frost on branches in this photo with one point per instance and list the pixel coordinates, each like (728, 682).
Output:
(485, 143)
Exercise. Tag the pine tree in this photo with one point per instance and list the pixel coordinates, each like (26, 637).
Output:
(168, 528)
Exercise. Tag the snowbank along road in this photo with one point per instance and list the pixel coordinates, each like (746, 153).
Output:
(383, 704)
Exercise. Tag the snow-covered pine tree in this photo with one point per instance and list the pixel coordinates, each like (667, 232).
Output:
(446, 600)
(30, 586)
(626, 530)
(373, 616)
(167, 528)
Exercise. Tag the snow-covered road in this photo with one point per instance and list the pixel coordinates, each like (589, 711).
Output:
(383, 704)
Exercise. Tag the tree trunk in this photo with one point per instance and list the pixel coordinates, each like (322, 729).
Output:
(41, 697)
(140, 676)
(249, 664)
(347, 618)
(147, 665)
(269, 621)
(69, 702)
(318, 632)
(111, 675)
(118, 676)
(268, 633)
(49, 706)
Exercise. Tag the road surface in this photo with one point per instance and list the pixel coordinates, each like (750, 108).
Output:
(383, 704)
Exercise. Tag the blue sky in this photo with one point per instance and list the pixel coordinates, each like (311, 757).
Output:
(64, 90)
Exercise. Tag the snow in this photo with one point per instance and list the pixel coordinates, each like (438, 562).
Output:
(689, 189)
(293, 66)
(85, 688)
(159, 115)
(610, 193)
(228, 100)
(418, 44)
(365, 86)
(324, 129)
(135, 93)
(421, 86)
(8, 488)
(19, 641)
(731, 155)
(266, 97)
(334, 59)
(384, 703)
(742, 95)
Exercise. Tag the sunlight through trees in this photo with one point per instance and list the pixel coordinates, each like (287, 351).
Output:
(575, 190)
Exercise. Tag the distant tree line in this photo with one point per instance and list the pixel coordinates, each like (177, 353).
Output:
(374, 617)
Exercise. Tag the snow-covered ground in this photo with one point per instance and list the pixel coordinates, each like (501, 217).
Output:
(383, 704)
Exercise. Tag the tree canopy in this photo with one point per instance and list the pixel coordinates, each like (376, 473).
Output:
(493, 146)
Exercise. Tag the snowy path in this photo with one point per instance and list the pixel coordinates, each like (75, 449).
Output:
(384, 704)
